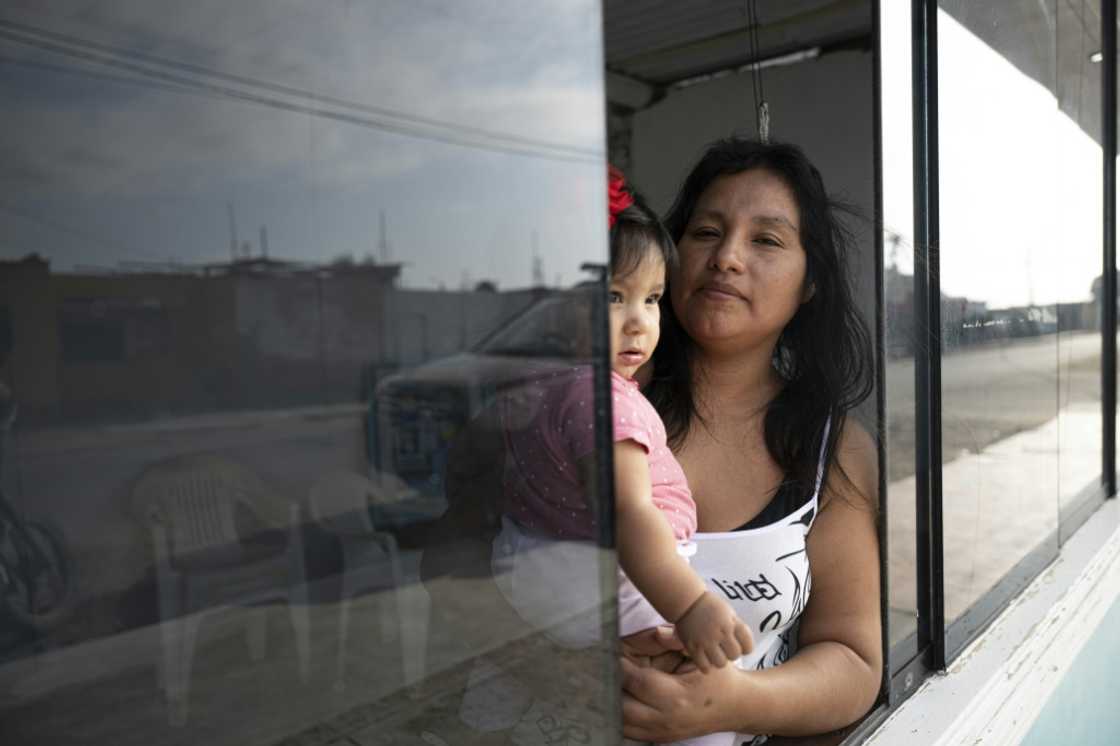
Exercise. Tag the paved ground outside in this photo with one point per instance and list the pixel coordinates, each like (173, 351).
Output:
(1021, 439)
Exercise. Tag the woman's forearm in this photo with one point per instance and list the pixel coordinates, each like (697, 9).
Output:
(823, 687)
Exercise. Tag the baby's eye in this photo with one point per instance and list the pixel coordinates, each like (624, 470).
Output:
(614, 297)
(654, 299)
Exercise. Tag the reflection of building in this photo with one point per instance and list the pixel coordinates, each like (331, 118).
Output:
(190, 339)
(30, 366)
(967, 322)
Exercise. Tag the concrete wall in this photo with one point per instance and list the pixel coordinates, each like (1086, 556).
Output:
(825, 106)
(429, 324)
(30, 366)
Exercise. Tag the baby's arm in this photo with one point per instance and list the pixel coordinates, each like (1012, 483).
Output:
(647, 550)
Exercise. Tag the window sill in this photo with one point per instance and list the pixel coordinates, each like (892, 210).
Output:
(998, 685)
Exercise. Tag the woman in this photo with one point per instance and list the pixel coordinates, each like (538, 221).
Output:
(762, 356)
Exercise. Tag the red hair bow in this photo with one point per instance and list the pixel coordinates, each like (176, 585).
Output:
(617, 196)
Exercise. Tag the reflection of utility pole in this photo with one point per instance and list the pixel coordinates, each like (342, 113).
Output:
(234, 244)
(895, 239)
(322, 335)
(464, 313)
(538, 264)
(383, 244)
(264, 242)
(1030, 279)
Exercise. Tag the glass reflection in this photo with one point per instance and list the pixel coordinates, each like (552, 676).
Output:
(1001, 291)
(544, 604)
(1081, 204)
(264, 273)
(901, 342)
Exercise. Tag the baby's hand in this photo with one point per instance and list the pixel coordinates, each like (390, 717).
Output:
(713, 633)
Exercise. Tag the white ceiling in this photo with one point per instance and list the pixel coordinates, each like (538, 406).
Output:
(661, 42)
(651, 44)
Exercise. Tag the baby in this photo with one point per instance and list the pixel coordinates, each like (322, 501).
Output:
(543, 554)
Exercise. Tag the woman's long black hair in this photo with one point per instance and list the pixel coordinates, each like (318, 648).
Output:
(824, 354)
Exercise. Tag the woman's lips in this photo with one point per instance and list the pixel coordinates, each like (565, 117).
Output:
(719, 291)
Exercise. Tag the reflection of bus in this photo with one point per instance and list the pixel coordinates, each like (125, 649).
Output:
(415, 414)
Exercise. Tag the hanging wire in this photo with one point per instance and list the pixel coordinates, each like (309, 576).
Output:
(762, 114)
(754, 58)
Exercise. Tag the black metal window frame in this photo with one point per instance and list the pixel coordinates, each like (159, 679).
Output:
(936, 644)
(927, 318)
(1108, 269)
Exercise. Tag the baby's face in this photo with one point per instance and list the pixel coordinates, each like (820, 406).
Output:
(635, 314)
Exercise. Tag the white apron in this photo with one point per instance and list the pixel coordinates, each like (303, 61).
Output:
(764, 574)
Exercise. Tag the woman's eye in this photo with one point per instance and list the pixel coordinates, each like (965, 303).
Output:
(704, 233)
(767, 241)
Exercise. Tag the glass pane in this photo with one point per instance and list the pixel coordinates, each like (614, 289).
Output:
(999, 184)
(265, 270)
(901, 341)
(1078, 283)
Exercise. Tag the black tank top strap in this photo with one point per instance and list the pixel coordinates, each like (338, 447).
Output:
(788, 498)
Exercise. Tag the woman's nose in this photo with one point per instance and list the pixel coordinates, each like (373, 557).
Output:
(727, 257)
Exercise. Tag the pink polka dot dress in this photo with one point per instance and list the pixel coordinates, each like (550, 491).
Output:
(549, 429)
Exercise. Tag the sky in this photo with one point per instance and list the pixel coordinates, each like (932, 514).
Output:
(1020, 182)
(475, 129)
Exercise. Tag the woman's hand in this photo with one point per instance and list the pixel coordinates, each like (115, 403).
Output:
(660, 706)
(658, 647)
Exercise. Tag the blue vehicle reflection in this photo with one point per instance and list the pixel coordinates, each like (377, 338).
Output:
(415, 415)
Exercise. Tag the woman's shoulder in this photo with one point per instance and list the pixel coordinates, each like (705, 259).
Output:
(854, 473)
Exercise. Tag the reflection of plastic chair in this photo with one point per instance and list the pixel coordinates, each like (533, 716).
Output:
(206, 560)
(340, 503)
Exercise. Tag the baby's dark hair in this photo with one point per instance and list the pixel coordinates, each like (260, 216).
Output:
(635, 233)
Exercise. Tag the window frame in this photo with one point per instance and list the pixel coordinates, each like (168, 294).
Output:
(935, 644)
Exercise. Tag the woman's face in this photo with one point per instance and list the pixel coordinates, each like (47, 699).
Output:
(742, 266)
